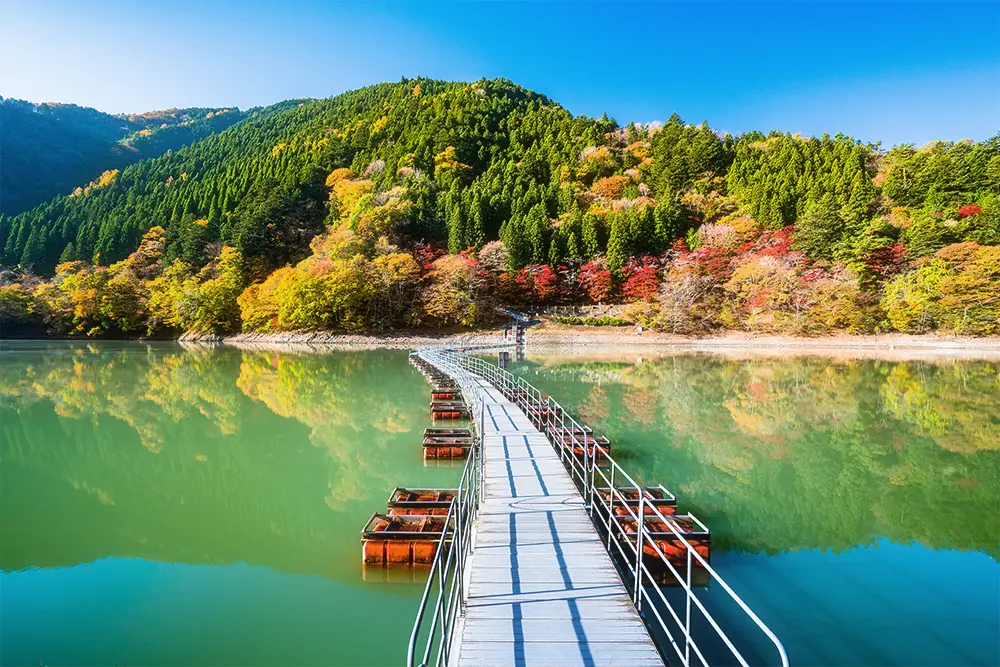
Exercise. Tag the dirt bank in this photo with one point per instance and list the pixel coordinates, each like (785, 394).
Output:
(554, 338)
(320, 340)
(551, 338)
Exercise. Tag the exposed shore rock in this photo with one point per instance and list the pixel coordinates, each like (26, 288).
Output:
(550, 338)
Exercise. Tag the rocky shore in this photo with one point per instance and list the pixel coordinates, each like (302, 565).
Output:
(558, 338)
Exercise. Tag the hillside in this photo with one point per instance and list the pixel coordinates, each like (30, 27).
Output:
(293, 147)
(428, 202)
(50, 149)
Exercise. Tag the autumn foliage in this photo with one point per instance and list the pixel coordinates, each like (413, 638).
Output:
(428, 203)
(640, 279)
(970, 210)
(596, 280)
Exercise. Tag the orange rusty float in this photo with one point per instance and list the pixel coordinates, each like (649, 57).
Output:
(446, 451)
(666, 536)
(434, 502)
(442, 440)
(627, 498)
(429, 371)
(457, 433)
(401, 539)
(541, 412)
(445, 395)
(421, 365)
(578, 439)
(448, 410)
(557, 431)
(447, 443)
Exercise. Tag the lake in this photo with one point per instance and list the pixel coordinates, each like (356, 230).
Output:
(168, 507)
(160, 505)
(854, 504)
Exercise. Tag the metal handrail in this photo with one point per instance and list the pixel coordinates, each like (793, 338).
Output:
(647, 595)
(448, 568)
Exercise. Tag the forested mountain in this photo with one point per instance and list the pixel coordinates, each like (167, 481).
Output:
(428, 202)
(50, 149)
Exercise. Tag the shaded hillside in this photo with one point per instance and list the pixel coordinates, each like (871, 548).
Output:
(262, 183)
(50, 149)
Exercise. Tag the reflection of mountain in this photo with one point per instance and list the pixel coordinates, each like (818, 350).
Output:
(212, 456)
(805, 452)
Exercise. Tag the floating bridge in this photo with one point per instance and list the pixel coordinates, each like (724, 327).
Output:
(553, 556)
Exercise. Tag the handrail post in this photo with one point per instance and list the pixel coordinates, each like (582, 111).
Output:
(611, 505)
(638, 551)
(591, 481)
(459, 534)
(481, 438)
(562, 438)
(687, 611)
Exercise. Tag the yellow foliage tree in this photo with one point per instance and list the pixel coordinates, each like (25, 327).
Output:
(346, 193)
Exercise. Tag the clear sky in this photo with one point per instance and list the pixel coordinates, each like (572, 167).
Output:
(893, 71)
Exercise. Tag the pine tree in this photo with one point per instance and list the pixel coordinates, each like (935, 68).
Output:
(476, 227)
(819, 230)
(556, 244)
(32, 253)
(856, 210)
(667, 219)
(618, 244)
(518, 245)
(68, 253)
(591, 235)
(537, 225)
(456, 224)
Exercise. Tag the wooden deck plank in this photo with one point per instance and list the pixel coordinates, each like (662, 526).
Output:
(601, 608)
(552, 630)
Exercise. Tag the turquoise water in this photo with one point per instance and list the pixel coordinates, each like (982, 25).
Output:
(855, 505)
(168, 507)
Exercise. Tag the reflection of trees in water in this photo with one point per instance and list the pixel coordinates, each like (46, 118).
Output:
(351, 403)
(807, 452)
(190, 456)
(134, 384)
(956, 406)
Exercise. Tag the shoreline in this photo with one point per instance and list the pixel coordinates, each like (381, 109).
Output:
(608, 341)
(622, 340)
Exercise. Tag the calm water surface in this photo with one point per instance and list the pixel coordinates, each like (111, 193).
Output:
(163, 506)
(160, 506)
(854, 504)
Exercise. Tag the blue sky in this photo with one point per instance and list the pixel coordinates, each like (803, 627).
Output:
(892, 71)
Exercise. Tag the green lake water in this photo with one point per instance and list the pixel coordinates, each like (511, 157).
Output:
(164, 506)
(855, 505)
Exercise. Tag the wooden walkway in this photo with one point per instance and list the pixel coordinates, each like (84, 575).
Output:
(542, 589)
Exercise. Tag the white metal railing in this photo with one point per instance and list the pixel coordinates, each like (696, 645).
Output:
(596, 473)
(445, 583)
